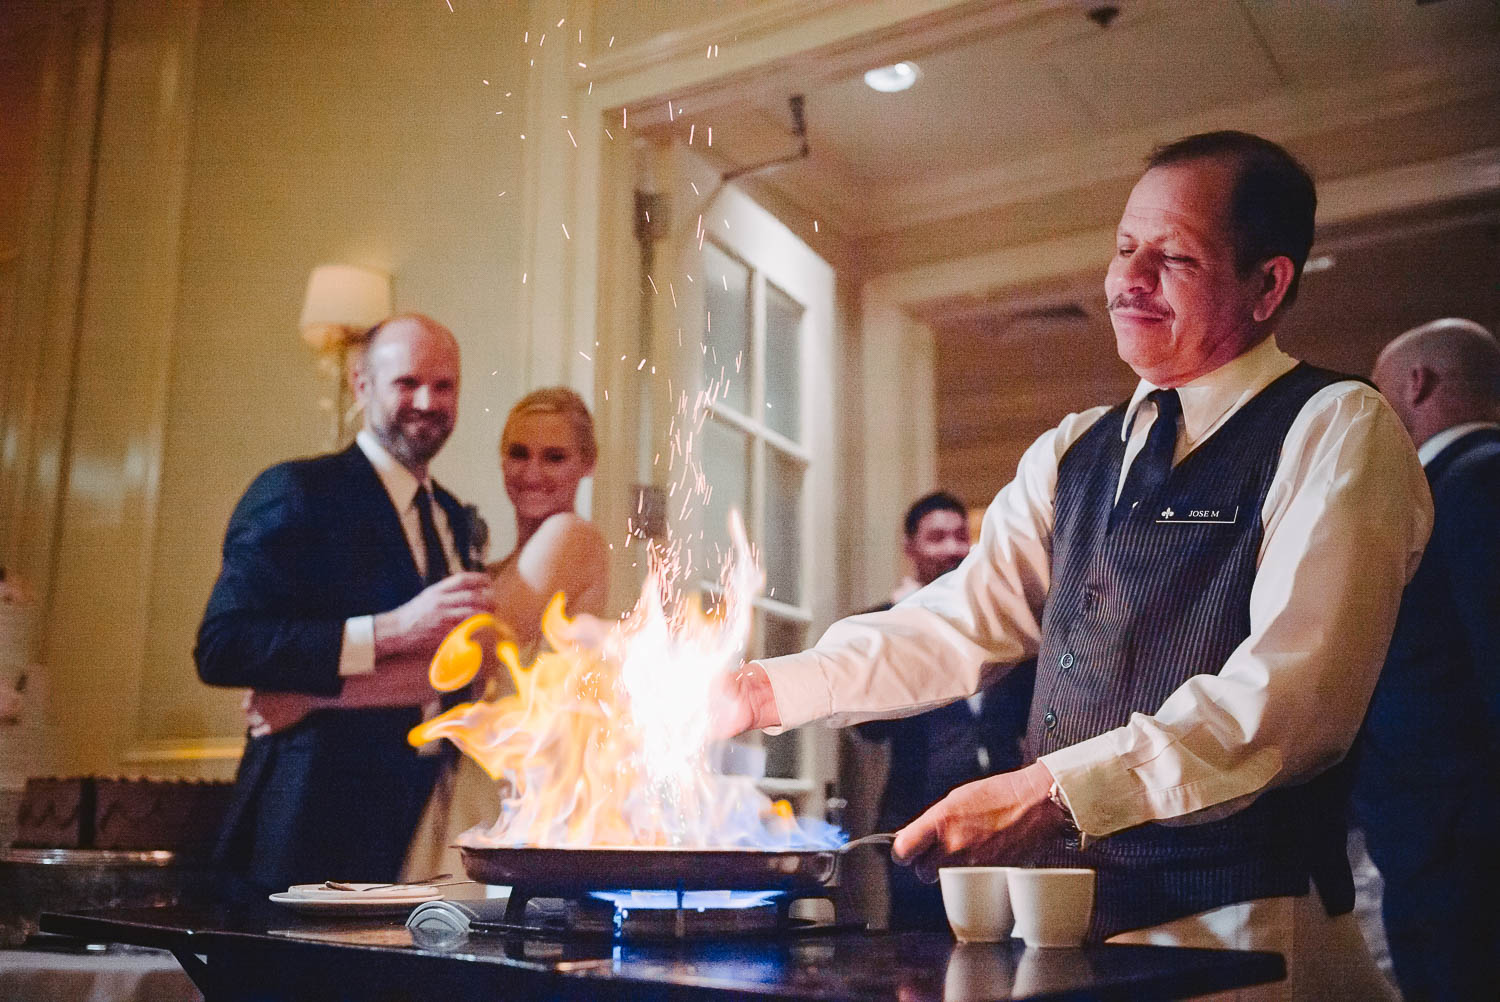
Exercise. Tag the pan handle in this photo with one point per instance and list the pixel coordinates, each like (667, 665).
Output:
(886, 838)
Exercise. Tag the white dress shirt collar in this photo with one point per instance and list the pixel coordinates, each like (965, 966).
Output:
(1209, 400)
(1437, 443)
(399, 482)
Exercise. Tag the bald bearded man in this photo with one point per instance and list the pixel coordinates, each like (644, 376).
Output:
(1428, 792)
(341, 575)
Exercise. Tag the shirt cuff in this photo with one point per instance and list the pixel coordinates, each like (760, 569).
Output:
(798, 686)
(1091, 777)
(357, 654)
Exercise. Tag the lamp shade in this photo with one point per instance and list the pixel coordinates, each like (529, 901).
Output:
(346, 296)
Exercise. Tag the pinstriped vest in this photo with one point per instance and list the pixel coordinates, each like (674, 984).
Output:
(1131, 616)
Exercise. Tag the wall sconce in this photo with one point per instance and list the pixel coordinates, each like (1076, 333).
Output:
(343, 301)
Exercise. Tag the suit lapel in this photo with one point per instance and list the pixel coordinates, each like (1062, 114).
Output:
(458, 524)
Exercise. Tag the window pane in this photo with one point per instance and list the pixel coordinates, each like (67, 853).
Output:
(726, 327)
(724, 454)
(783, 528)
(783, 636)
(783, 363)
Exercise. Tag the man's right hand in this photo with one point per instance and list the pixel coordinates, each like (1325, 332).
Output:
(419, 626)
(741, 700)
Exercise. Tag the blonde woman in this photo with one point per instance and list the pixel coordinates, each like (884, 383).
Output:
(546, 448)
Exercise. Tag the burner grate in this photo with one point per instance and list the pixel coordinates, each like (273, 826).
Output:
(667, 916)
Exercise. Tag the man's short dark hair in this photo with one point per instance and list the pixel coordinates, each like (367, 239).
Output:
(1272, 205)
(924, 506)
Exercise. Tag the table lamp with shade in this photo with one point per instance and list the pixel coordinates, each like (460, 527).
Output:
(343, 302)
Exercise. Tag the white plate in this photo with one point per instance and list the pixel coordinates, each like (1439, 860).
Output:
(354, 902)
(359, 892)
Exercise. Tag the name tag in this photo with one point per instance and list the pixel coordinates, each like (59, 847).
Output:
(1197, 516)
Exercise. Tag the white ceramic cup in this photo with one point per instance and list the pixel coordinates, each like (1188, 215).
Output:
(977, 900)
(1052, 907)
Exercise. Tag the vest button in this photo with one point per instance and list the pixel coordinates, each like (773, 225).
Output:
(1050, 720)
(1066, 661)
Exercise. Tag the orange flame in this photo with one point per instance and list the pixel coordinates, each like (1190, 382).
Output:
(604, 740)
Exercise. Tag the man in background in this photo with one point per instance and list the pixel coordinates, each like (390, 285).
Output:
(1428, 789)
(337, 581)
(937, 751)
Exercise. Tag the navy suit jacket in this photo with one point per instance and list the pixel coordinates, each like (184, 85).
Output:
(1434, 720)
(312, 543)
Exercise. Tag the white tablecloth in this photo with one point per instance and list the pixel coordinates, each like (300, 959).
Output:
(119, 974)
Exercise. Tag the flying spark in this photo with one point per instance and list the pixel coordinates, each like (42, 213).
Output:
(654, 290)
(566, 234)
(570, 136)
(692, 129)
(585, 357)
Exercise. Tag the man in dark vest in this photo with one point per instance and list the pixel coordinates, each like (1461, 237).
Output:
(1207, 573)
(1428, 789)
(341, 575)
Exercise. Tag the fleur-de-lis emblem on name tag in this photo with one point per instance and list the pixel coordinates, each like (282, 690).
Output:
(1169, 513)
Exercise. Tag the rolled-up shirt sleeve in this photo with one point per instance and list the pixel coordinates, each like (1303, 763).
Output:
(1346, 518)
(931, 647)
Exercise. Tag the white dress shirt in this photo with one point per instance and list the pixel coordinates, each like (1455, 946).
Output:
(1345, 520)
(357, 655)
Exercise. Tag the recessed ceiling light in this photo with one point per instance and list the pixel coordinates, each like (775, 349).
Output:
(897, 76)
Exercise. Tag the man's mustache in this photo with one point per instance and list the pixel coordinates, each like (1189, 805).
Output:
(1125, 301)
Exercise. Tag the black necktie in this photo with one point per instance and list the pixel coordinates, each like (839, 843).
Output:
(437, 562)
(1153, 464)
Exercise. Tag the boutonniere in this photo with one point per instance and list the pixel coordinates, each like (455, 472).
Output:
(479, 536)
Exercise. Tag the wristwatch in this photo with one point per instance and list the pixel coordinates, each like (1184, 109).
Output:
(1074, 836)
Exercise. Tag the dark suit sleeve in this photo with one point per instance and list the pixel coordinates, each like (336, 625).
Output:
(1467, 527)
(262, 627)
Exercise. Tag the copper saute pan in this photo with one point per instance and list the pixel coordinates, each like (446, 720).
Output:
(566, 872)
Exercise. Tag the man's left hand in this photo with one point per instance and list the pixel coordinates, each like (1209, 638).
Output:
(998, 820)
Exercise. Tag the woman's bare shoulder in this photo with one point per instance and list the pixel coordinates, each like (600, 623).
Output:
(566, 531)
(565, 551)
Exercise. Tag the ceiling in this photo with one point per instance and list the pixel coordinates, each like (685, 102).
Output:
(1030, 123)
